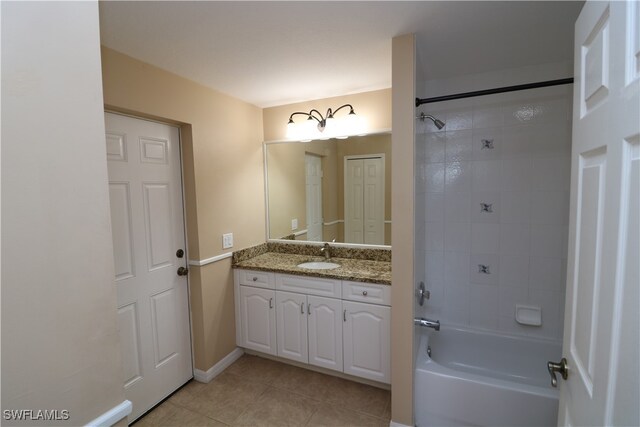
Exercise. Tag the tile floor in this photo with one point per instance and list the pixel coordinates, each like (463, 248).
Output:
(259, 392)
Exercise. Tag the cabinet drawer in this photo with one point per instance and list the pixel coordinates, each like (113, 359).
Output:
(259, 279)
(309, 285)
(366, 292)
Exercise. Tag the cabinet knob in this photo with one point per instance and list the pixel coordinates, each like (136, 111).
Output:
(364, 293)
(255, 279)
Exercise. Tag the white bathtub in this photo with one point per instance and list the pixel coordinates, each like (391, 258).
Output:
(484, 379)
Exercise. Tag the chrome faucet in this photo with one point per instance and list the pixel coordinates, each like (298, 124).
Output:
(326, 250)
(421, 321)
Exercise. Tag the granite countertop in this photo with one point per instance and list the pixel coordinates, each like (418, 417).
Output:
(357, 270)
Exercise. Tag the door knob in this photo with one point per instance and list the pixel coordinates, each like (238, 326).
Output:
(183, 271)
(560, 368)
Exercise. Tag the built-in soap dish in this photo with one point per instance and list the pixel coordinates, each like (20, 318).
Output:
(528, 315)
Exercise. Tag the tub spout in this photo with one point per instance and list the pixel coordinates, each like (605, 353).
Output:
(421, 321)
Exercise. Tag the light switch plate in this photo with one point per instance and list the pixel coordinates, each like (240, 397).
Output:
(294, 224)
(227, 241)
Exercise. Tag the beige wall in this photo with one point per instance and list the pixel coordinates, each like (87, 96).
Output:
(223, 172)
(373, 107)
(403, 78)
(330, 186)
(60, 345)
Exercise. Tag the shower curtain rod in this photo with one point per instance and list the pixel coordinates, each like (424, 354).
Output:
(420, 101)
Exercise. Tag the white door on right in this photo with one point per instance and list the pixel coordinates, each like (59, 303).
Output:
(601, 330)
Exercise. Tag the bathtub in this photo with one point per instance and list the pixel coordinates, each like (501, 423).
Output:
(484, 379)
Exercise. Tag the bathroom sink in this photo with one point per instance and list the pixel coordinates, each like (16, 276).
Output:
(321, 265)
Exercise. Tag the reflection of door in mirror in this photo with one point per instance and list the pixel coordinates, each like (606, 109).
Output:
(306, 201)
(364, 199)
(313, 185)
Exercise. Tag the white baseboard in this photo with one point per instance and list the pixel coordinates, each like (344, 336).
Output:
(215, 370)
(112, 416)
(395, 424)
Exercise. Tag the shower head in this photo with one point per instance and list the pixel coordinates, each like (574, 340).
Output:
(439, 123)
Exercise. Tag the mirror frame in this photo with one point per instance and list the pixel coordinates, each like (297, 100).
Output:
(265, 144)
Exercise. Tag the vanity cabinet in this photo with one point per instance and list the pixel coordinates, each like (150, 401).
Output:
(291, 323)
(325, 332)
(309, 329)
(258, 319)
(333, 324)
(367, 340)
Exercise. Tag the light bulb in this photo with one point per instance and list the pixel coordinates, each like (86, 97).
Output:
(292, 130)
(310, 126)
(352, 124)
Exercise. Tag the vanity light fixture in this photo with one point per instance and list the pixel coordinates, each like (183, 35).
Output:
(318, 126)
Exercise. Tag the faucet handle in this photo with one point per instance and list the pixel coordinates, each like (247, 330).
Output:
(325, 250)
(422, 293)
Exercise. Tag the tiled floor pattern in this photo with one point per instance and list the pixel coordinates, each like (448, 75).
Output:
(261, 392)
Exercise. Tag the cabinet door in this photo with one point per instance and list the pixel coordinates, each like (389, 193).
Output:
(325, 332)
(258, 317)
(367, 331)
(291, 315)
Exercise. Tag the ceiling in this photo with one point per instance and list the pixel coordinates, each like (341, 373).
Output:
(273, 53)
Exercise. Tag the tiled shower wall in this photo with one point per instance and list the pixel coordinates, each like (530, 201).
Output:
(492, 195)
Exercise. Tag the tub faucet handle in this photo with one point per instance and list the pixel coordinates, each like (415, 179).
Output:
(422, 294)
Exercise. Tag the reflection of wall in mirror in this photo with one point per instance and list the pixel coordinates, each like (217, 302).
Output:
(286, 179)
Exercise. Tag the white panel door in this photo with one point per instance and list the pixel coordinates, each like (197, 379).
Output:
(354, 201)
(601, 339)
(364, 200)
(374, 201)
(291, 323)
(325, 332)
(145, 189)
(313, 171)
(258, 319)
(367, 341)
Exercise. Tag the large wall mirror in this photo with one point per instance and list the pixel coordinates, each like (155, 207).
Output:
(333, 189)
